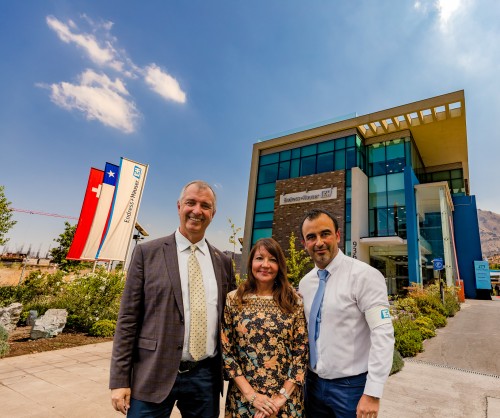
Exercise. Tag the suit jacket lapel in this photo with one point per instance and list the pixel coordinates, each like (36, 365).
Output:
(172, 267)
(217, 263)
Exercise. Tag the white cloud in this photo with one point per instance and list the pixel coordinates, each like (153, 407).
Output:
(447, 9)
(164, 84)
(96, 95)
(98, 98)
(101, 53)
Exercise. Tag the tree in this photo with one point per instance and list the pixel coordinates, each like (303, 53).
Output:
(298, 262)
(59, 253)
(6, 222)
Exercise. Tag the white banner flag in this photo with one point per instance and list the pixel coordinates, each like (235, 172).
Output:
(124, 211)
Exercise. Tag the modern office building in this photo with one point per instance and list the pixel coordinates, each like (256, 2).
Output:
(397, 180)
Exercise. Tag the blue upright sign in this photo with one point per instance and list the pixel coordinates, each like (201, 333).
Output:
(482, 270)
(438, 264)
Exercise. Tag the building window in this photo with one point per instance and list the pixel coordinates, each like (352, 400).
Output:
(331, 155)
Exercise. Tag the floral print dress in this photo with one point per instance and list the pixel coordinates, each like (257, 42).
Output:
(266, 346)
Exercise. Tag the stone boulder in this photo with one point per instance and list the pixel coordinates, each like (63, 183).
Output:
(9, 316)
(50, 324)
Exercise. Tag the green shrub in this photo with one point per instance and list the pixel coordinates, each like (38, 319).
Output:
(8, 295)
(4, 348)
(406, 305)
(90, 298)
(409, 344)
(426, 327)
(4, 345)
(4, 334)
(437, 318)
(426, 322)
(451, 303)
(408, 336)
(397, 362)
(103, 328)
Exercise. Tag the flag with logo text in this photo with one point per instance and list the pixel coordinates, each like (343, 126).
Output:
(86, 214)
(102, 212)
(125, 206)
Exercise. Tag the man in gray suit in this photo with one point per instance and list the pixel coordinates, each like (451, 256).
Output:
(154, 363)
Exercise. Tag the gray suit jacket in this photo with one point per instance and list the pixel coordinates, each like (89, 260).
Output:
(149, 336)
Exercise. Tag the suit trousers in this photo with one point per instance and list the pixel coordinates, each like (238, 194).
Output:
(197, 393)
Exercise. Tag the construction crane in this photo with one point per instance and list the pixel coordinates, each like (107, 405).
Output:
(36, 212)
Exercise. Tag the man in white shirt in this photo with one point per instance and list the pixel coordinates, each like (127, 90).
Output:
(351, 337)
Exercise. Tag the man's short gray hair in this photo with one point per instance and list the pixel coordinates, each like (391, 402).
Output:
(201, 185)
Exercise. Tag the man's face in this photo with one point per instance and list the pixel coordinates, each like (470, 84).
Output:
(320, 240)
(196, 209)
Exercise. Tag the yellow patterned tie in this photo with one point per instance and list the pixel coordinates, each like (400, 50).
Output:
(197, 306)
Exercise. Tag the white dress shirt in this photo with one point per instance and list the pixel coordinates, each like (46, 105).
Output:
(346, 345)
(211, 291)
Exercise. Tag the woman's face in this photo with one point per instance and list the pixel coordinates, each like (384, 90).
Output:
(264, 266)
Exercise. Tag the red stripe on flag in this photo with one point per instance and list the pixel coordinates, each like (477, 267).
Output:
(87, 213)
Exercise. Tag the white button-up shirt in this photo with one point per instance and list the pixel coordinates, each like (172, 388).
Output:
(211, 291)
(346, 344)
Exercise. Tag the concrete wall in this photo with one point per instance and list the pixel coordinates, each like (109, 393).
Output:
(359, 214)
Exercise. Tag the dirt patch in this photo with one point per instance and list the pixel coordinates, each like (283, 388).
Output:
(21, 344)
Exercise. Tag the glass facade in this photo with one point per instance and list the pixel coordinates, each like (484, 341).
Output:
(331, 155)
(386, 189)
(455, 179)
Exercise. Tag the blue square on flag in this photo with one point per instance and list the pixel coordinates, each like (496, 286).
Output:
(111, 174)
(137, 172)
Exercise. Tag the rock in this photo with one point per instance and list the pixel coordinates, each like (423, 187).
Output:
(30, 321)
(50, 324)
(9, 316)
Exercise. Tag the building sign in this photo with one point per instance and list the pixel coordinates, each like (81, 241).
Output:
(309, 196)
(482, 270)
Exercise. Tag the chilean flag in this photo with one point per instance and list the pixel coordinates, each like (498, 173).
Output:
(87, 214)
(102, 212)
(124, 211)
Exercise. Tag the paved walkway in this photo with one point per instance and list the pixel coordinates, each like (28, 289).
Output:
(456, 376)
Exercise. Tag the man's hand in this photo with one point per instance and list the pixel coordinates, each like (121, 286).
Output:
(120, 399)
(367, 407)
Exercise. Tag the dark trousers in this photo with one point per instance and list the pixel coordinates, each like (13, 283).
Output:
(197, 393)
(333, 398)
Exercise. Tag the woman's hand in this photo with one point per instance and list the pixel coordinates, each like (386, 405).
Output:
(265, 406)
(279, 400)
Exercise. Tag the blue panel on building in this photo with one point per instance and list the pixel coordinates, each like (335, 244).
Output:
(411, 225)
(467, 241)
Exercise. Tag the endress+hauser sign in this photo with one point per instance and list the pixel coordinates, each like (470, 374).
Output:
(308, 196)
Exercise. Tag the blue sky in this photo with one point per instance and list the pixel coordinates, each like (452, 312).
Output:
(188, 87)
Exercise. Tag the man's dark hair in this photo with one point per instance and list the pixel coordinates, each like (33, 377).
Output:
(315, 213)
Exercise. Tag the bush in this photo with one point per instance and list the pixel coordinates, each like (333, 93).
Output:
(437, 318)
(8, 295)
(4, 334)
(4, 345)
(426, 327)
(4, 348)
(405, 306)
(90, 298)
(408, 337)
(451, 303)
(397, 362)
(103, 328)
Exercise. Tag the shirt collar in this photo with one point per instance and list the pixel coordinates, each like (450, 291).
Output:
(334, 263)
(184, 244)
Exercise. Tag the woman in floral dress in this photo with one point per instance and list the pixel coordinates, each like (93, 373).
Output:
(264, 340)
